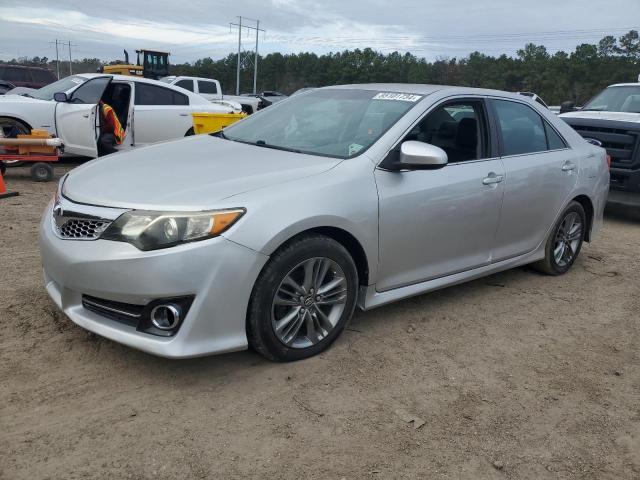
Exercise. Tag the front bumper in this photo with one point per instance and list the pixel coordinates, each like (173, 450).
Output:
(627, 180)
(218, 272)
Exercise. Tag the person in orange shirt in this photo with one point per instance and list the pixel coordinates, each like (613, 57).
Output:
(111, 131)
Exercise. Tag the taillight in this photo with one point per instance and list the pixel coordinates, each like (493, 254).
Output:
(609, 161)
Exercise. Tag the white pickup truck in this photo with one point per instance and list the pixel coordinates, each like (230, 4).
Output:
(211, 90)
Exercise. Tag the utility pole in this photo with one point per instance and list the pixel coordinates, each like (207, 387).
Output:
(255, 63)
(255, 71)
(239, 47)
(57, 60)
(69, 44)
(70, 67)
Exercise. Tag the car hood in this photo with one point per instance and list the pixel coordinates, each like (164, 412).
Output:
(19, 99)
(194, 173)
(595, 115)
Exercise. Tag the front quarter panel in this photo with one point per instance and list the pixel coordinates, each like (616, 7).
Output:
(36, 114)
(344, 197)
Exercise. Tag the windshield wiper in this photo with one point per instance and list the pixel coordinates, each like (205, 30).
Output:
(262, 143)
(220, 134)
(27, 95)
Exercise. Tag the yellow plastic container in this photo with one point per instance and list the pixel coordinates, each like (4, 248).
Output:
(214, 122)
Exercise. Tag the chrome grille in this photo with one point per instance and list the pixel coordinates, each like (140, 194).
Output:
(81, 228)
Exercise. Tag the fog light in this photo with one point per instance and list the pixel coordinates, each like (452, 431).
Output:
(165, 317)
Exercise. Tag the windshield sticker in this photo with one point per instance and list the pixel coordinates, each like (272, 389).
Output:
(398, 97)
(354, 148)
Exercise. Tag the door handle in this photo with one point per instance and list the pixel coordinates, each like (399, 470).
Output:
(85, 115)
(492, 179)
(184, 114)
(569, 166)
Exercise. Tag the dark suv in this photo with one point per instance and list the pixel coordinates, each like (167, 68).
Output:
(612, 120)
(24, 76)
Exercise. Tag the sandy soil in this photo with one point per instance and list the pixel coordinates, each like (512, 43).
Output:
(517, 376)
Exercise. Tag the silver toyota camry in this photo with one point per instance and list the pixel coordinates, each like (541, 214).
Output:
(271, 233)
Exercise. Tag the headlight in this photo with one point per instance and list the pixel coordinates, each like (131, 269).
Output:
(153, 230)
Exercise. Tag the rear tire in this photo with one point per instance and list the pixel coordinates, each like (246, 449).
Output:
(303, 299)
(564, 242)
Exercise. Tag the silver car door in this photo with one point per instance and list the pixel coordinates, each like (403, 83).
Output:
(541, 171)
(434, 223)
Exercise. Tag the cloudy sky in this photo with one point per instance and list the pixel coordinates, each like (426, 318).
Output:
(194, 29)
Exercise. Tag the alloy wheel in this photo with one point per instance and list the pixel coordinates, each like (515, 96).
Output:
(568, 239)
(309, 302)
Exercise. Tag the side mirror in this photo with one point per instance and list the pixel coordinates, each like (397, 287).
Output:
(60, 97)
(416, 155)
(567, 106)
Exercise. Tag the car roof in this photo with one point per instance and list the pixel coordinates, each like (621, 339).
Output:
(625, 85)
(26, 67)
(426, 89)
(119, 77)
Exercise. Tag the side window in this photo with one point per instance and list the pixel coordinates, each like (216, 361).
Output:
(522, 128)
(16, 74)
(554, 140)
(147, 94)
(186, 84)
(207, 87)
(457, 128)
(90, 91)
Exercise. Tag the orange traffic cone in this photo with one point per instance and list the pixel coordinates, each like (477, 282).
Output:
(3, 189)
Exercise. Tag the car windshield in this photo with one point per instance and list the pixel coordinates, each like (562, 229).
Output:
(62, 85)
(338, 123)
(616, 99)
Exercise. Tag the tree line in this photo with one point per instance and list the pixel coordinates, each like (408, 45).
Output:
(557, 77)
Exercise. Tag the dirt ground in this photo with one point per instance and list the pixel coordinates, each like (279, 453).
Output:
(517, 376)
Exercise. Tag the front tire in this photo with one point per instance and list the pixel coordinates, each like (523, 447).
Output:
(303, 299)
(565, 241)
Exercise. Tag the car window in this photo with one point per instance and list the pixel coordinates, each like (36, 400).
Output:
(186, 84)
(340, 123)
(42, 76)
(62, 85)
(616, 99)
(91, 91)
(13, 74)
(521, 127)
(554, 140)
(207, 87)
(147, 94)
(457, 128)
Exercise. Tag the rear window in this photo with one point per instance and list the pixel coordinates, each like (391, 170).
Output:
(147, 94)
(207, 87)
(186, 84)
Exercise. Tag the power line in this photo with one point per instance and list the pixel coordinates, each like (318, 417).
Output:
(69, 44)
(255, 63)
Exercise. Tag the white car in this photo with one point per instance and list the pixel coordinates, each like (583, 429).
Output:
(211, 89)
(149, 111)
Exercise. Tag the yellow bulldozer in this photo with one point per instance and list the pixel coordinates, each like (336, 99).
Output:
(151, 64)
